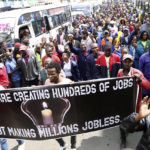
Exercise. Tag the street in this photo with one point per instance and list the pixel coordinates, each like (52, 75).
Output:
(108, 139)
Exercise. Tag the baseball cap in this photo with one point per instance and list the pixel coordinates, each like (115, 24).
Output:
(127, 56)
(106, 32)
(17, 44)
(23, 48)
(125, 30)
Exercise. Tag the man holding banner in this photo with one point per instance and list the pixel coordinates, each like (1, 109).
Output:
(3, 142)
(53, 71)
(141, 80)
(139, 122)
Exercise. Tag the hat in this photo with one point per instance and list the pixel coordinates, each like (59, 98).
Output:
(127, 56)
(70, 34)
(17, 44)
(112, 22)
(23, 48)
(125, 30)
(106, 31)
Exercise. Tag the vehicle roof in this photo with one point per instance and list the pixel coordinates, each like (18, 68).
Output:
(19, 12)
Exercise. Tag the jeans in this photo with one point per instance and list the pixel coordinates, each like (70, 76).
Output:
(20, 142)
(4, 144)
(73, 141)
(17, 84)
(32, 82)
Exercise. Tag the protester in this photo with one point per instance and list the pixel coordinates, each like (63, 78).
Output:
(141, 80)
(12, 70)
(144, 40)
(82, 55)
(70, 67)
(4, 80)
(125, 38)
(109, 63)
(38, 53)
(92, 72)
(136, 50)
(29, 66)
(146, 27)
(86, 39)
(50, 53)
(3, 142)
(60, 36)
(54, 77)
(144, 64)
(43, 72)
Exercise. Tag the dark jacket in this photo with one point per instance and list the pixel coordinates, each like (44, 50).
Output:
(129, 124)
(74, 70)
(32, 70)
(58, 39)
(124, 42)
(133, 33)
(91, 72)
(114, 65)
(81, 60)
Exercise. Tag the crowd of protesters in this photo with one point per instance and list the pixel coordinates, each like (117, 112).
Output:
(114, 42)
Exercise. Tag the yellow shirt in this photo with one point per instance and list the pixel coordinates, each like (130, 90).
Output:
(144, 43)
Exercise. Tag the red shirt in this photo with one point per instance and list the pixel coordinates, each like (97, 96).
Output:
(54, 59)
(4, 80)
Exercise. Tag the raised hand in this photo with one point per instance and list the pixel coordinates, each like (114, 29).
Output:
(144, 111)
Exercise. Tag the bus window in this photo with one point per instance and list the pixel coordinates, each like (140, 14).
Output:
(37, 27)
(56, 21)
(61, 18)
(47, 25)
(24, 32)
(50, 20)
(68, 15)
(64, 18)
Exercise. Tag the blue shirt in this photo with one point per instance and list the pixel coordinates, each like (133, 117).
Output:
(10, 66)
(144, 66)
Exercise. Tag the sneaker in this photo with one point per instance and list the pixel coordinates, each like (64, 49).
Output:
(21, 147)
(63, 147)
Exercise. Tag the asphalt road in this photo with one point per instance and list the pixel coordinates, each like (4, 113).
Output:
(108, 139)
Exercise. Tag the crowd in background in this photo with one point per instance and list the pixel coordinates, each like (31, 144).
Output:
(117, 37)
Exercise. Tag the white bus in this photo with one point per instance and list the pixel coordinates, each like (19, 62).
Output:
(41, 21)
